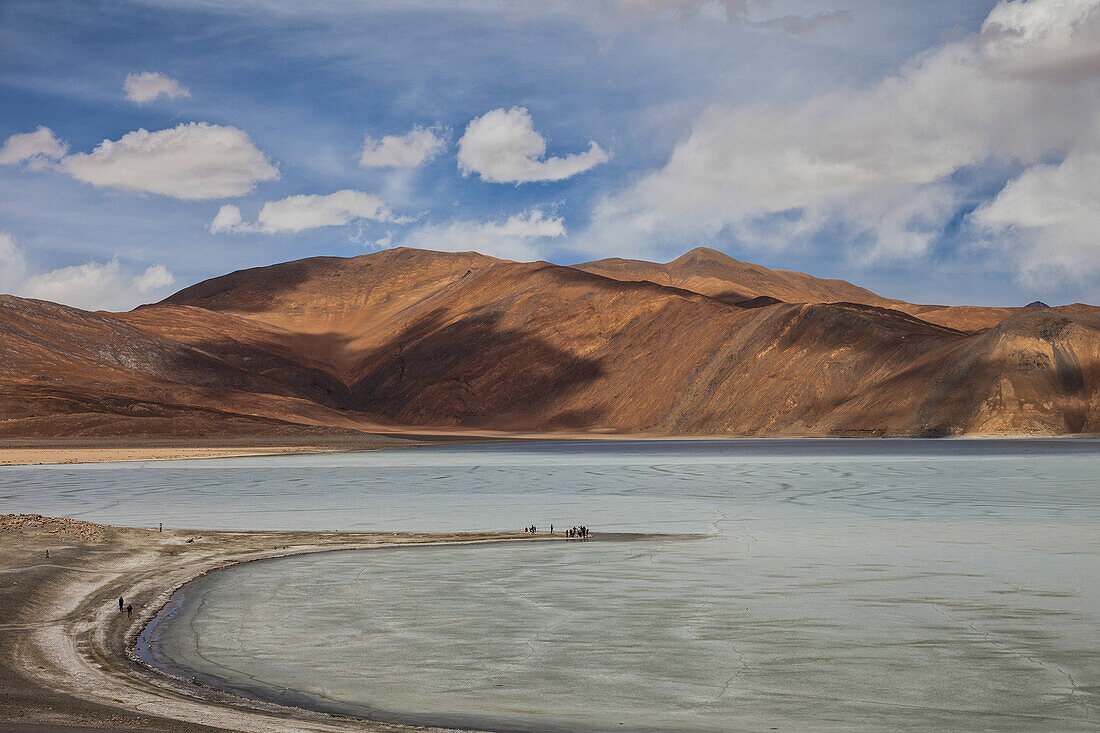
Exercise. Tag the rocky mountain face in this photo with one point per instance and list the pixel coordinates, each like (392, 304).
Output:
(703, 345)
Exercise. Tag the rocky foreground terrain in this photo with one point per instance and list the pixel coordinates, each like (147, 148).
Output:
(704, 345)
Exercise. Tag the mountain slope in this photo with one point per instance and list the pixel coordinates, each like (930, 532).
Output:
(463, 341)
(65, 372)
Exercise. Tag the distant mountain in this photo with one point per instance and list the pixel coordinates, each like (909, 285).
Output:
(719, 275)
(406, 338)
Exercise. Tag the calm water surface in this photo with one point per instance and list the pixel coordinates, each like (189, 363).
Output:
(840, 584)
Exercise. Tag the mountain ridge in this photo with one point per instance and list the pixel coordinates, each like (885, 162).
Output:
(460, 341)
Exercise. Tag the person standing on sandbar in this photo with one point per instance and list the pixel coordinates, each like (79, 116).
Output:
(120, 604)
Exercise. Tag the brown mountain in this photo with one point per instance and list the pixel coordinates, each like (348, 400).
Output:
(716, 274)
(719, 275)
(406, 338)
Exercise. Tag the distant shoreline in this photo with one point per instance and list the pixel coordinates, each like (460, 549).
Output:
(53, 451)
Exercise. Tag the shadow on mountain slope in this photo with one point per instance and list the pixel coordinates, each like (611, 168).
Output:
(468, 372)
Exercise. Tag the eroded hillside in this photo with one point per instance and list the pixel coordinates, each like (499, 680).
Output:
(704, 345)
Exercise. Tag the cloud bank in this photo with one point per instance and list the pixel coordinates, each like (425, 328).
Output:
(502, 146)
(299, 213)
(13, 264)
(150, 85)
(882, 165)
(518, 237)
(92, 285)
(414, 148)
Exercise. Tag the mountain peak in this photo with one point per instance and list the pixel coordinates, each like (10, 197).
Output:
(704, 255)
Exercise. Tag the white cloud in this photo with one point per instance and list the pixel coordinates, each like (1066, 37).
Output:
(414, 148)
(877, 163)
(92, 285)
(154, 279)
(149, 85)
(13, 264)
(36, 147)
(298, 213)
(228, 219)
(1056, 38)
(1050, 216)
(516, 238)
(502, 146)
(191, 161)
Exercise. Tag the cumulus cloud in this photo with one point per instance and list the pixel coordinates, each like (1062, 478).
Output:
(516, 238)
(13, 264)
(1050, 215)
(415, 147)
(35, 148)
(878, 164)
(502, 146)
(298, 213)
(149, 85)
(92, 285)
(154, 278)
(97, 286)
(1060, 38)
(228, 219)
(192, 161)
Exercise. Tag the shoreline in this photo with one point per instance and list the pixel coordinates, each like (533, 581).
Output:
(78, 667)
(48, 452)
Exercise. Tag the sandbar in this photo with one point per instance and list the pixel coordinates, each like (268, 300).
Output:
(66, 651)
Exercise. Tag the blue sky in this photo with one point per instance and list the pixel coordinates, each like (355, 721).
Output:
(933, 151)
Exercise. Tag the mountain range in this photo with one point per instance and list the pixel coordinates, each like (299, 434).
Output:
(408, 340)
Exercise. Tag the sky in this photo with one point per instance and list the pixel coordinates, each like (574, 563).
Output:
(938, 151)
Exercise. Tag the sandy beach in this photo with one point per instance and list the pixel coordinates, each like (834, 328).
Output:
(42, 451)
(65, 648)
(47, 451)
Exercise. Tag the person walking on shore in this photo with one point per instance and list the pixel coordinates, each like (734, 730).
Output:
(120, 604)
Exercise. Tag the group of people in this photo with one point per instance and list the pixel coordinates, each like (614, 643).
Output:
(581, 532)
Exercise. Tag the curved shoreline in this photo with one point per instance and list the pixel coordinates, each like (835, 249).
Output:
(182, 674)
(79, 667)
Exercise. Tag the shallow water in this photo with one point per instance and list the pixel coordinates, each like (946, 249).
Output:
(873, 584)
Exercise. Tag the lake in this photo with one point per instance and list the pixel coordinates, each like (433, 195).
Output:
(836, 583)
